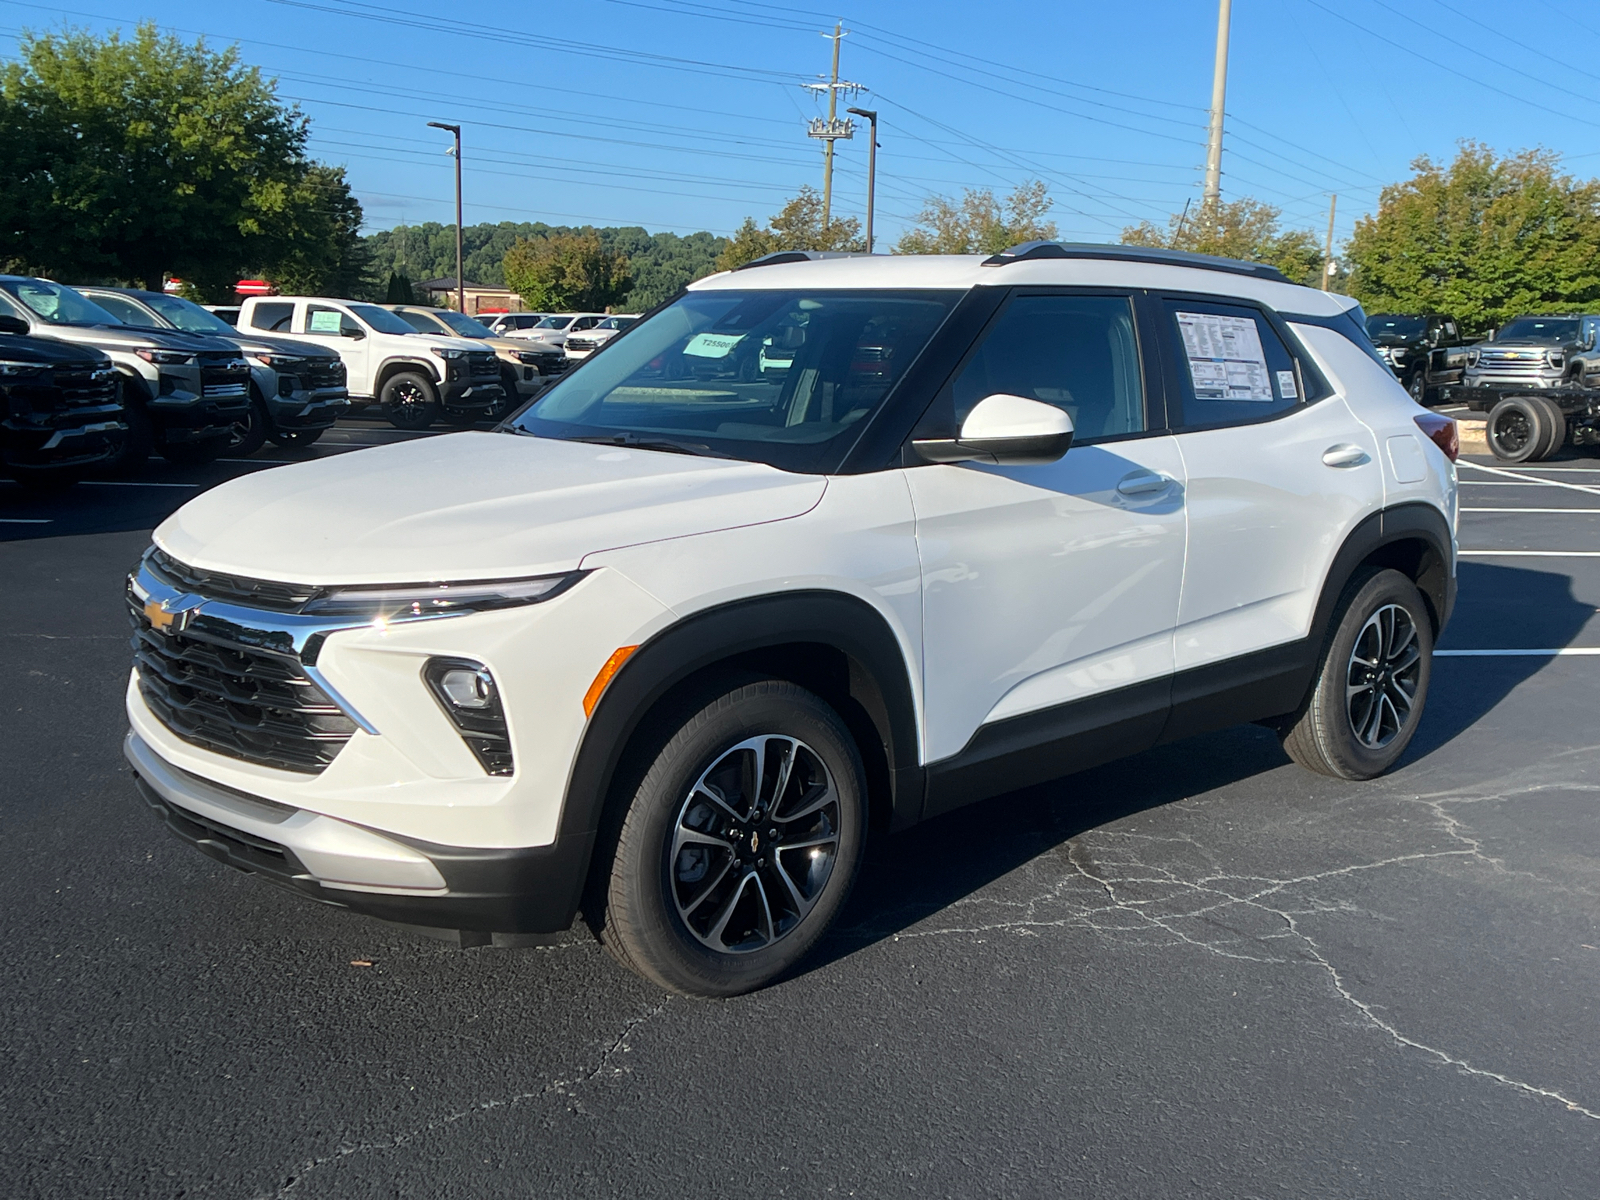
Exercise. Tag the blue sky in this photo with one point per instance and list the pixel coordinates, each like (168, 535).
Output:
(690, 114)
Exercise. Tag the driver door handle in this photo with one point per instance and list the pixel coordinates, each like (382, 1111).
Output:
(1143, 483)
(1345, 454)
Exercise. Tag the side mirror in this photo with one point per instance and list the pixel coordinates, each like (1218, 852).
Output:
(350, 331)
(10, 324)
(1006, 429)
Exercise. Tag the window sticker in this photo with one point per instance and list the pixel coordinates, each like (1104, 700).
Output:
(323, 321)
(1286, 385)
(712, 345)
(1226, 361)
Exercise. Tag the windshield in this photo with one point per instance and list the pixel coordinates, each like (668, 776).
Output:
(1553, 331)
(554, 323)
(187, 315)
(381, 319)
(462, 325)
(1396, 329)
(420, 322)
(618, 323)
(59, 305)
(780, 377)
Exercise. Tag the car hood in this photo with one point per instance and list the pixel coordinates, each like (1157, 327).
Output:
(19, 347)
(1519, 344)
(135, 337)
(470, 506)
(259, 343)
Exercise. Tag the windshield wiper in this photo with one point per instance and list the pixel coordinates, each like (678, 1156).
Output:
(634, 442)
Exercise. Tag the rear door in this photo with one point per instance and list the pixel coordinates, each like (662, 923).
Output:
(1278, 470)
(1044, 586)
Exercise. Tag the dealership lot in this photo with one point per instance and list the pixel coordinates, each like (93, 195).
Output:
(1201, 971)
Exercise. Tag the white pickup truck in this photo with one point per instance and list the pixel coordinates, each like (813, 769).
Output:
(413, 376)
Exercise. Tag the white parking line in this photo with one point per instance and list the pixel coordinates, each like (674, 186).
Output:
(27, 520)
(1534, 510)
(1530, 553)
(1564, 652)
(1556, 483)
(259, 462)
(132, 483)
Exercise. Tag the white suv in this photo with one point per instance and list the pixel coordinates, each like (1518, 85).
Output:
(413, 376)
(681, 634)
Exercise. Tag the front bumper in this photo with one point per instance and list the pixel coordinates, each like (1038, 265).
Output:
(472, 395)
(491, 891)
(310, 410)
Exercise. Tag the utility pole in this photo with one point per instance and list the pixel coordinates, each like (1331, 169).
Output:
(1219, 89)
(831, 129)
(1327, 258)
(872, 166)
(461, 282)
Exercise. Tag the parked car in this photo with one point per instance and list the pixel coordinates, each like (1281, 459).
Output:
(668, 654)
(580, 345)
(549, 337)
(297, 388)
(228, 313)
(1426, 351)
(182, 393)
(504, 324)
(60, 408)
(519, 365)
(1537, 379)
(414, 377)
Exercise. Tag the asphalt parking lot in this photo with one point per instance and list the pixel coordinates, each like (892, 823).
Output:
(1201, 972)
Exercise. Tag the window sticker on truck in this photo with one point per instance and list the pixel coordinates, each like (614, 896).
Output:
(323, 321)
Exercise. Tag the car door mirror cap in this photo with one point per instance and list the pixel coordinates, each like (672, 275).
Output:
(353, 334)
(1005, 429)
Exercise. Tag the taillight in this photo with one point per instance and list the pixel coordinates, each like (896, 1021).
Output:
(1442, 432)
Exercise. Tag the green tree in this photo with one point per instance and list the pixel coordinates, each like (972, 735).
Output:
(797, 226)
(143, 157)
(1484, 239)
(979, 223)
(1244, 229)
(566, 271)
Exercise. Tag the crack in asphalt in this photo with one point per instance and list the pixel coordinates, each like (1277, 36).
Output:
(1130, 895)
(554, 1087)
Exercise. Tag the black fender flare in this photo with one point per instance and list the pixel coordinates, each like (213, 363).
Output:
(746, 633)
(391, 366)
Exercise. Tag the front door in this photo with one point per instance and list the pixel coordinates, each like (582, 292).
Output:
(1047, 589)
(342, 334)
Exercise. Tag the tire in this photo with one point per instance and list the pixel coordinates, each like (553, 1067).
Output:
(409, 401)
(196, 454)
(1360, 733)
(250, 431)
(1518, 429)
(1556, 432)
(137, 442)
(296, 439)
(691, 819)
(1418, 388)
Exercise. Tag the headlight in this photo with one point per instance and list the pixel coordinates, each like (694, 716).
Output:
(279, 362)
(10, 368)
(166, 357)
(1555, 357)
(529, 360)
(444, 352)
(1472, 358)
(1399, 356)
(441, 599)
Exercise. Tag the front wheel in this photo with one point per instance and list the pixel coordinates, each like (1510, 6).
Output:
(1367, 699)
(1518, 429)
(740, 844)
(1418, 388)
(408, 401)
(250, 429)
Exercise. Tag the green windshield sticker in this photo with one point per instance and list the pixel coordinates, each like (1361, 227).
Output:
(323, 321)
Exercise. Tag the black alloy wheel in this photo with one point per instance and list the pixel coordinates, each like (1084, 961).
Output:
(739, 844)
(409, 402)
(1418, 388)
(1518, 429)
(250, 428)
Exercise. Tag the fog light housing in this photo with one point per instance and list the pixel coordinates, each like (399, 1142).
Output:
(467, 693)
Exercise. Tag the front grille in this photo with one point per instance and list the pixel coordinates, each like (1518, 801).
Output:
(87, 389)
(224, 377)
(1501, 362)
(483, 366)
(232, 589)
(320, 374)
(237, 701)
(244, 850)
(574, 343)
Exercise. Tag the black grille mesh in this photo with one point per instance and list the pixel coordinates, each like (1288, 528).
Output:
(232, 589)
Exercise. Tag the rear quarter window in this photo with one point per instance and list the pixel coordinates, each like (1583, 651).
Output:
(1229, 363)
(274, 317)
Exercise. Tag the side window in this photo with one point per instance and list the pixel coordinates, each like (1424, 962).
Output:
(274, 317)
(586, 322)
(1451, 334)
(123, 309)
(1232, 366)
(321, 319)
(1078, 353)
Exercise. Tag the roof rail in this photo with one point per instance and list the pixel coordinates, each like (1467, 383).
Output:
(1030, 251)
(794, 256)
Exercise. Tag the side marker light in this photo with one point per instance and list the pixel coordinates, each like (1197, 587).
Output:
(598, 687)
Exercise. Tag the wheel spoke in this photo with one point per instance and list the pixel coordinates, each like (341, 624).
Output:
(784, 770)
(825, 840)
(819, 798)
(706, 891)
(714, 794)
(715, 935)
(1374, 721)
(801, 905)
(766, 907)
(686, 836)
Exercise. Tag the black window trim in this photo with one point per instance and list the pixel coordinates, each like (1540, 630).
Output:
(1308, 378)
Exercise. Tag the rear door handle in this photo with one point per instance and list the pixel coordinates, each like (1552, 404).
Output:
(1345, 454)
(1143, 483)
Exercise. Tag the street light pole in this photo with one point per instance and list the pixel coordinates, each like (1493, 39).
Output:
(461, 282)
(872, 166)
(1212, 197)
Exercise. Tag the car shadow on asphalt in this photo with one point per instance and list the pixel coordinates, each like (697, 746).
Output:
(909, 877)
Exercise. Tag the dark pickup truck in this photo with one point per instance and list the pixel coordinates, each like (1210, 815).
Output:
(1538, 378)
(1426, 352)
(60, 408)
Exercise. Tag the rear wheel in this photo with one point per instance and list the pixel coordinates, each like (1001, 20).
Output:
(1556, 430)
(408, 401)
(1518, 429)
(740, 844)
(1367, 699)
(1418, 388)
